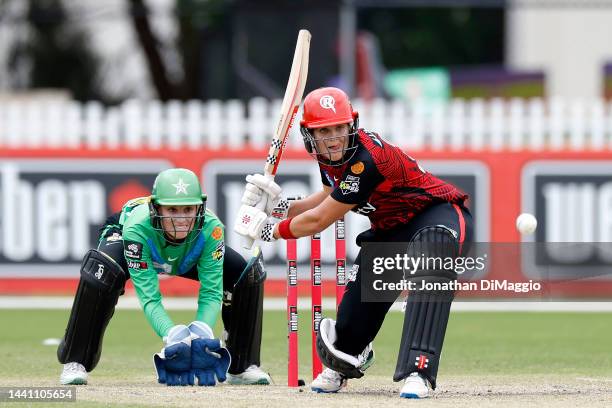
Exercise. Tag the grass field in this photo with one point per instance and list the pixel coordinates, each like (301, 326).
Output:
(507, 359)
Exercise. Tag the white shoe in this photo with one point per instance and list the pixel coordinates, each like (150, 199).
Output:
(253, 375)
(74, 374)
(415, 386)
(328, 381)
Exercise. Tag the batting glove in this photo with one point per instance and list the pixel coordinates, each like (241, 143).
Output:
(261, 192)
(280, 209)
(173, 363)
(250, 221)
(267, 231)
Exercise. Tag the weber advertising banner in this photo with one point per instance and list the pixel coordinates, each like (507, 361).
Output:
(51, 209)
(53, 202)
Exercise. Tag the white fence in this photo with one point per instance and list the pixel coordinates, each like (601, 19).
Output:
(496, 124)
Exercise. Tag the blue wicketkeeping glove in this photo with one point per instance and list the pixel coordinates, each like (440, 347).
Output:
(173, 363)
(208, 358)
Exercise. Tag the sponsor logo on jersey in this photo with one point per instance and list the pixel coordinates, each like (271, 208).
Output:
(133, 249)
(219, 251)
(358, 167)
(349, 185)
(364, 209)
(329, 178)
(140, 265)
(217, 233)
(352, 275)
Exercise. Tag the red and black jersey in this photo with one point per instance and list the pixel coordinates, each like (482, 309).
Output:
(387, 185)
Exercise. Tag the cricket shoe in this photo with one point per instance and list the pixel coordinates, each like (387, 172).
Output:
(73, 374)
(328, 381)
(253, 375)
(415, 386)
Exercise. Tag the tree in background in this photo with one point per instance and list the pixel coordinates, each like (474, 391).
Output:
(200, 21)
(56, 53)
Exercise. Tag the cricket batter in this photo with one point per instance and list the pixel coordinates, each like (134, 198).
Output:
(170, 232)
(362, 172)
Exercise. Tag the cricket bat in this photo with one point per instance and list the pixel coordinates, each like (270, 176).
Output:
(291, 102)
(289, 108)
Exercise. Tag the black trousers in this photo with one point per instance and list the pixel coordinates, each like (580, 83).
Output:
(358, 322)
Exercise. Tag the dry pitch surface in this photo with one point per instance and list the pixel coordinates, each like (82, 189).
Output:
(499, 391)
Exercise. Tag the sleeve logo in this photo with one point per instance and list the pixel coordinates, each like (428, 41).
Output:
(137, 265)
(132, 249)
(358, 167)
(349, 185)
(219, 251)
(217, 233)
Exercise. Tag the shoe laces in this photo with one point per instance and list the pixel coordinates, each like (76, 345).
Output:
(74, 367)
(331, 375)
(418, 377)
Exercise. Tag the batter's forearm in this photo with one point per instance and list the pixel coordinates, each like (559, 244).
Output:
(308, 203)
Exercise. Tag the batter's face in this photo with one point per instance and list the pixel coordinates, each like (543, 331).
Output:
(332, 141)
(178, 220)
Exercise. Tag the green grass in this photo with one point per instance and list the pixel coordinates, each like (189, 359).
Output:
(476, 344)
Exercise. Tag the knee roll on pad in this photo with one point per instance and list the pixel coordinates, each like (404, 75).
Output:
(346, 364)
(102, 280)
(436, 241)
(245, 320)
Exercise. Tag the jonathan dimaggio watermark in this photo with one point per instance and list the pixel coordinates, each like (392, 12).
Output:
(508, 271)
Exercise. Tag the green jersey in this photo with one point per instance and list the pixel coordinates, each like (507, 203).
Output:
(148, 254)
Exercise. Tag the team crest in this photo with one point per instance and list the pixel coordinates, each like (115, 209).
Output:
(217, 233)
(358, 167)
(181, 187)
(328, 102)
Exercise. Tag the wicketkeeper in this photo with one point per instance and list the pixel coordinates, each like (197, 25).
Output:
(171, 232)
(364, 173)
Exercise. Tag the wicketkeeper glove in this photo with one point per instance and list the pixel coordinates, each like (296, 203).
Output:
(173, 363)
(208, 358)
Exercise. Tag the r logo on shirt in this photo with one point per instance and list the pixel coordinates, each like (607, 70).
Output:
(349, 185)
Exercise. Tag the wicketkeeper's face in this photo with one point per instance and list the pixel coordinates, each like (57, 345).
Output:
(332, 141)
(178, 220)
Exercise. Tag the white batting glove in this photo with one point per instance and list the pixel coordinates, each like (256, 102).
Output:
(261, 192)
(266, 183)
(267, 231)
(252, 195)
(280, 209)
(250, 222)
